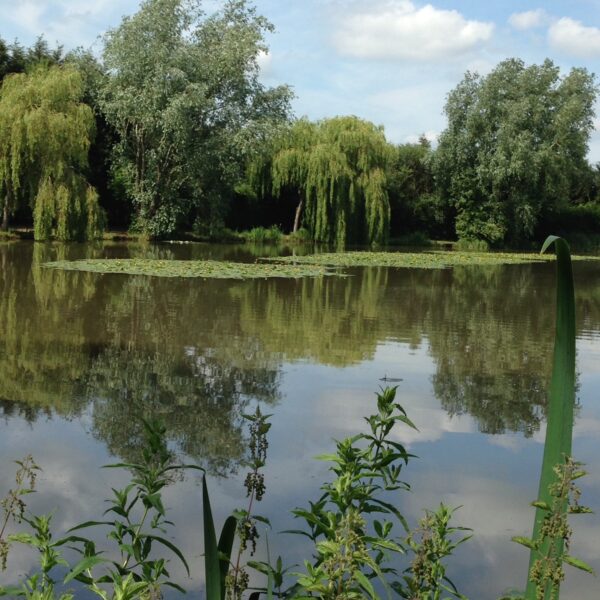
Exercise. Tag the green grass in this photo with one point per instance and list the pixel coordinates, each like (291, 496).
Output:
(416, 260)
(191, 268)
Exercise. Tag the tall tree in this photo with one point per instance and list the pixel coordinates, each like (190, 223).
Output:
(414, 203)
(337, 168)
(45, 136)
(516, 139)
(185, 98)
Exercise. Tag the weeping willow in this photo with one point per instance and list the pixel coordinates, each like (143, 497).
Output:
(45, 133)
(338, 168)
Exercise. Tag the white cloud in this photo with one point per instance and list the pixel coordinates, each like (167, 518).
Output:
(264, 60)
(400, 30)
(528, 19)
(572, 37)
(70, 22)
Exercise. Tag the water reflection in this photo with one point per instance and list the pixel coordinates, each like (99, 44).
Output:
(195, 352)
(86, 352)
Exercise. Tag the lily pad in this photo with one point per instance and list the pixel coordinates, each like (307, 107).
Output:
(190, 268)
(416, 260)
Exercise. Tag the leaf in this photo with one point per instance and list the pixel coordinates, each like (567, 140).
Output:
(225, 547)
(365, 583)
(578, 564)
(83, 565)
(90, 524)
(559, 430)
(524, 541)
(171, 547)
(212, 567)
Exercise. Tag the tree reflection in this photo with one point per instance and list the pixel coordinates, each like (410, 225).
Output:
(195, 353)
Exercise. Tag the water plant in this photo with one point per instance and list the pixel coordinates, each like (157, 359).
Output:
(431, 259)
(210, 269)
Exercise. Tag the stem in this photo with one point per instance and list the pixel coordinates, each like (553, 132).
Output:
(136, 534)
(239, 552)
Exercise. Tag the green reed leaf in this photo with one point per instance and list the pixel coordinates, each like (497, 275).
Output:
(225, 547)
(211, 551)
(559, 430)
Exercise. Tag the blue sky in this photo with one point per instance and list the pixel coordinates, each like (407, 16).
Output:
(389, 61)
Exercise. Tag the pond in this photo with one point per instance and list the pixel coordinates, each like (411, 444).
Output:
(84, 356)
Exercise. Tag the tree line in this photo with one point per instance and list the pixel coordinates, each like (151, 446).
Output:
(171, 130)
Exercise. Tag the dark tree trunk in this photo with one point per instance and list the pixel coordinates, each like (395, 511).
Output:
(298, 215)
(4, 226)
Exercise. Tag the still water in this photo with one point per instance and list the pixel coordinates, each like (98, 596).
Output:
(84, 356)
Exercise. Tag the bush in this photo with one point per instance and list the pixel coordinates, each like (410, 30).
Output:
(302, 236)
(263, 235)
(466, 245)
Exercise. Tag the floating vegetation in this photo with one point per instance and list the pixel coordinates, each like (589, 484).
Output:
(436, 259)
(191, 268)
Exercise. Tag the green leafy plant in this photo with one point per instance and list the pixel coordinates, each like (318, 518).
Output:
(430, 544)
(366, 467)
(13, 505)
(226, 576)
(263, 235)
(138, 526)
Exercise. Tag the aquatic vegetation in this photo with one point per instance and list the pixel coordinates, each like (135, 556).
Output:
(210, 269)
(436, 259)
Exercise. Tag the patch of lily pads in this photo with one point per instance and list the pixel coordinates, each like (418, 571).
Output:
(417, 260)
(210, 269)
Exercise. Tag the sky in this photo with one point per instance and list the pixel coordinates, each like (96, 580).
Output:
(389, 61)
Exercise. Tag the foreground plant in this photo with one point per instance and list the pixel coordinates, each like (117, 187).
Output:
(547, 542)
(430, 544)
(139, 525)
(13, 505)
(226, 575)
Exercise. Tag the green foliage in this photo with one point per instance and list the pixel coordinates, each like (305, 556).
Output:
(14, 58)
(411, 187)
(45, 133)
(580, 223)
(301, 236)
(262, 235)
(13, 505)
(338, 169)
(183, 94)
(430, 544)
(472, 245)
(365, 468)
(139, 524)
(516, 140)
(550, 543)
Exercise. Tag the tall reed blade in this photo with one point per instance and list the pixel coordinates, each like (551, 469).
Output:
(559, 430)
(212, 569)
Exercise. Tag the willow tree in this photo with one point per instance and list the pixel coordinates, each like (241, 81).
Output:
(45, 133)
(337, 167)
